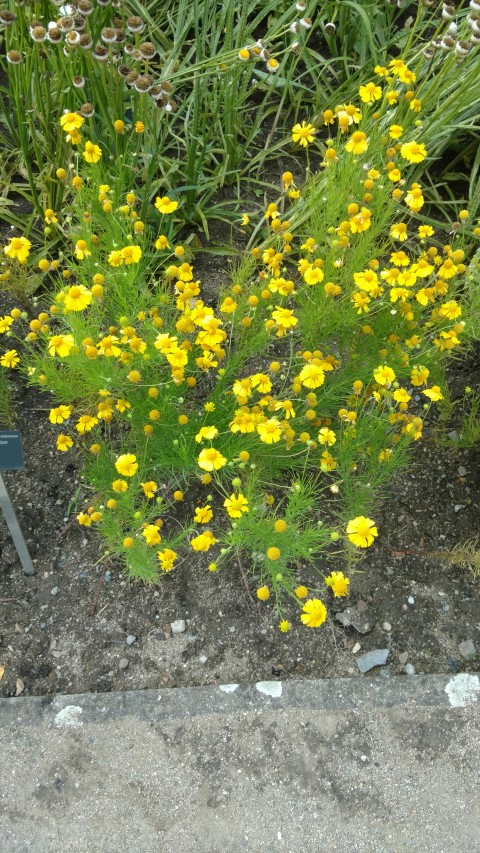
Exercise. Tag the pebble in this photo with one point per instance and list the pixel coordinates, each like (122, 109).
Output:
(356, 648)
(446, 608)
(458, 507)
(55, 590)
(462, 471)
(377, 657)
(131, 639)
(411, 599)
(203, 658)
(403, 657)
(123, 663)
(467, 649)
(410, 669)
(386, 626)
(178, 626)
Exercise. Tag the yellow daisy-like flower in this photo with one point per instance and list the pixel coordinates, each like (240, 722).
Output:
(338, 583)
(413, 151)
(236, 505)
(370, 92)
(285, 626)
(165, 205)
(167, 558)
(59, 414)
(434, 394)
(384, 375)
(77, 298)
(203, 514)
(149, 488)
(70, 122)
(131, 254)
(127, 464)
(263, 593)
(64, 442)
(314, 613)
(269, 431)
(18, 248)
(361, 531)
(211, 459)
(85, 423)
(303, 133)
(208, 432)
(92, 152)
(60, 345)
(357, 144)
(151, 534)
(204, 541)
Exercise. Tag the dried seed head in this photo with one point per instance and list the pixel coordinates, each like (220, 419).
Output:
(330, 28)
(166, 86)
(120, 35)
(87, 110)
(147, 49)
(39, 34)
(78, 82)
(108, 35)
(295, 27)
(447, 43)
(129, 48)
(103, 2)
(130, 78)
(158, 96)
(72, 38)
(66, 24)
(144, 83)
(85, 7)
(462, 48)
(55, 35)
(14, 57)
(135, 24)
(100, 53)
(7, 18)
(306, 23)
(124, 70)
(475, 5)
(300, 6)
(448, 12)
(86, 41)
(475, 39)
(79, 22)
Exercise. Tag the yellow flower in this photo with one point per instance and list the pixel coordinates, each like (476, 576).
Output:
(131, 254)
(203, 514)
(139, 127)
(327, 436)
(70, 122)
(92, 152)
(127, 465)
(413, 151)
(60, 345)
(419, 375)
(357, 144)
(59, 414)
(119, 126)
(64, 442)
(204, 541)
(395, 131)
(208, 432)
(434, 394)
(236, 505)
(85, 424)
(301, 591)
(50, 217)
(269, 431)
(167, 558)
(149, 488)
(211, 460)
(285, 626)
(314, 613)
(162, 243)
(115, 258)
(19, 248)
(312, 376)
(338, 583)
(303, 133)
(120, 486)
(263, 593)
(165, 205)
(151, 534)
(361, 531)
(370, 92)
(399, 231)
(384, 375)
(77, 298)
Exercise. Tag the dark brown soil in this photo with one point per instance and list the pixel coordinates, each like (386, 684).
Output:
(66, 628)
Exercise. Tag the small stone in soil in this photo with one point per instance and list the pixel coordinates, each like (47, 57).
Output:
(131, 639)
(55, 590)
(377, 657)
(452, 664)
(403, 657)
(356, 648)
(458, 507)
(386, 626)
(178, 626)
(467, 649)
(411, 599)
(203, 658)
(123, 663)
(462, 471)
(410, 669)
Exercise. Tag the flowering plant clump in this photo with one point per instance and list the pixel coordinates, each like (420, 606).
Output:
(261, 424)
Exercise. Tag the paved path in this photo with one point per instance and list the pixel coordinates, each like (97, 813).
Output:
(377, 765)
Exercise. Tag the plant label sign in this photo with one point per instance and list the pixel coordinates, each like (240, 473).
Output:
(11, 454)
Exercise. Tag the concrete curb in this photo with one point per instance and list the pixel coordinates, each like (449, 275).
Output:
(329, 696)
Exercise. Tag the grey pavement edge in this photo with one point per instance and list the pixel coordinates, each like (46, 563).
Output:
(375, 765)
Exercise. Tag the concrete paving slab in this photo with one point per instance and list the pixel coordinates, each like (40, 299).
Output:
(376, 765)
